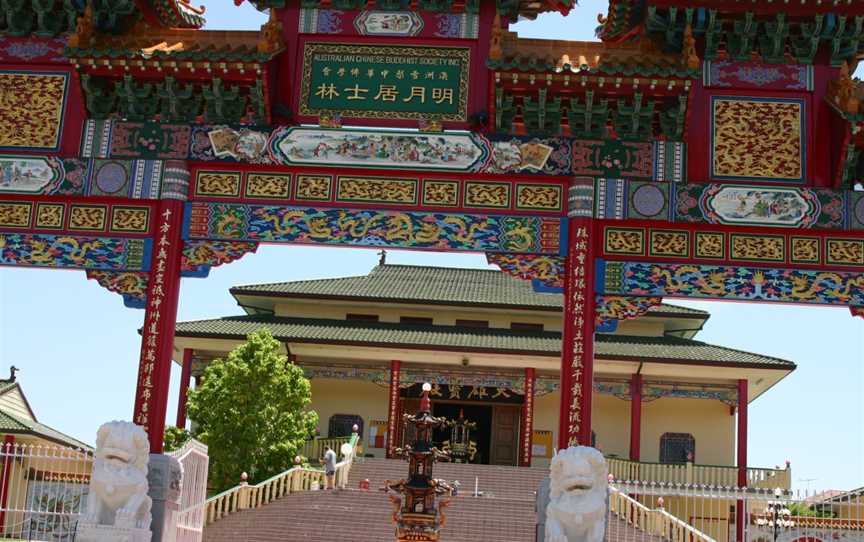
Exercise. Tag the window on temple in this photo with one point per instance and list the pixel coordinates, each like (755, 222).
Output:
(677, 448)
(415, 321)
(362, 317)
(472, 323)
(525, 326)
(341, 425)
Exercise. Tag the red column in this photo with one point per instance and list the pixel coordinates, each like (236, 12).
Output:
(635, 417)
(740, 516)
(185, 378)
(527, 419)
(160, 318)
(393, 408)
(577, 348)
(8, 448)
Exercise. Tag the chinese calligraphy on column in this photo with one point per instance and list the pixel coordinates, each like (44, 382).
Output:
(393, 407)
(157, 334)
(527, 419)
(577, 350)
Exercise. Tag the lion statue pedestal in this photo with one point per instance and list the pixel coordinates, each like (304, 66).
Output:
(578, 496)
(118, 506)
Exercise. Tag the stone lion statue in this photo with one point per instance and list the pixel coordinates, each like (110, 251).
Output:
(118, 486)
(578, 496)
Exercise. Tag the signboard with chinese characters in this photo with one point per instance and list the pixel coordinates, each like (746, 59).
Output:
(385, 81)
(457, 392)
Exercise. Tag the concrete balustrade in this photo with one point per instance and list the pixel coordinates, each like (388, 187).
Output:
(297, 479)
(691, 474)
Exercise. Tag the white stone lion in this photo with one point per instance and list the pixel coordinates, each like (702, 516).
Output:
(118, 486)
(578, 496)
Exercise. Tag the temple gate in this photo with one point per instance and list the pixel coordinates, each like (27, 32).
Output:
(702, 149)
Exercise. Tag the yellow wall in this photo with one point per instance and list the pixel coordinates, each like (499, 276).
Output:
(611, 424)
(365, 399)
(646, 327)
(441, 316)
(708, 421)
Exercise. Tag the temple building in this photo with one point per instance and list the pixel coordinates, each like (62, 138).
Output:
(490, 346)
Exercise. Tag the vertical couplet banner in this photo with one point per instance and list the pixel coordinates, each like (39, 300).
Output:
(160, 317)
(527, 419)
(393, 407)
(577, 348)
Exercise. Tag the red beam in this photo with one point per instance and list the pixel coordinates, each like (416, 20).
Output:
(8, 445)
(393, 407)
(527, 419)
(577, 349)
(160, 318)
(742, 454)
(635, 417)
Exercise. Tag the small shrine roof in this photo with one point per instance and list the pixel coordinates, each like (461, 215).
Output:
(433, 286)
(492, 340)
(587, 57)
(10, 423)
(176, 45)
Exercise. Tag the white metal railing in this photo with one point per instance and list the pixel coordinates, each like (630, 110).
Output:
(646, 511)
(193, 493)
(294, 480)
(632, 521)
(690, 473)
(43, 491)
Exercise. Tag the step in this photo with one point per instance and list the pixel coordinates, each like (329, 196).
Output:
(366, 516)
(494, 481)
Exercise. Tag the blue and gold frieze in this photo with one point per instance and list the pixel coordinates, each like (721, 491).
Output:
(360, 227)
(730, 282)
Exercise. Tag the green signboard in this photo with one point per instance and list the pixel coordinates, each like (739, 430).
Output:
(385, 81)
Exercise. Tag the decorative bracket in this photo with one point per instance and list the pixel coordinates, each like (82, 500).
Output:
(546, 272)
(611, 309)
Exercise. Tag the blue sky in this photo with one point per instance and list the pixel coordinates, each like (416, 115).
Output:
(77, 346)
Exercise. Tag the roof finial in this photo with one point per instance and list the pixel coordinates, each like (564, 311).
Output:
(382, 260)
(12, 371)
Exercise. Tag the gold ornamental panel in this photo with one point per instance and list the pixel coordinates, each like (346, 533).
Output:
(268, 186)
(758, 247)
(88, 217)
(314, 187)
(50, 215)
(15, 214)
(625, 241)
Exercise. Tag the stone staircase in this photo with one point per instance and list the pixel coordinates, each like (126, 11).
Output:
(505, 513)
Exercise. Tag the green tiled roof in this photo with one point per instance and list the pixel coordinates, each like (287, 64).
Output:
(9, 423)
(430, 286)
(504, 341)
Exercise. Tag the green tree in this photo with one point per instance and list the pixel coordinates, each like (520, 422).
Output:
(252, 412)
(175, 438)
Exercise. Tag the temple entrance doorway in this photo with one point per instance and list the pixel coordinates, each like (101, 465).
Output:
(480, 434)
(490, 417)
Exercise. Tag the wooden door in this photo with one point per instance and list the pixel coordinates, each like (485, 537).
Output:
(505, 435)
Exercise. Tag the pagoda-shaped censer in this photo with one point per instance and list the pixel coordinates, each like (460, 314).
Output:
(460, 447)
(417, 510)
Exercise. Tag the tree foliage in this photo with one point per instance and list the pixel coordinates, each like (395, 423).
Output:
(252, 411)
(175, 438)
